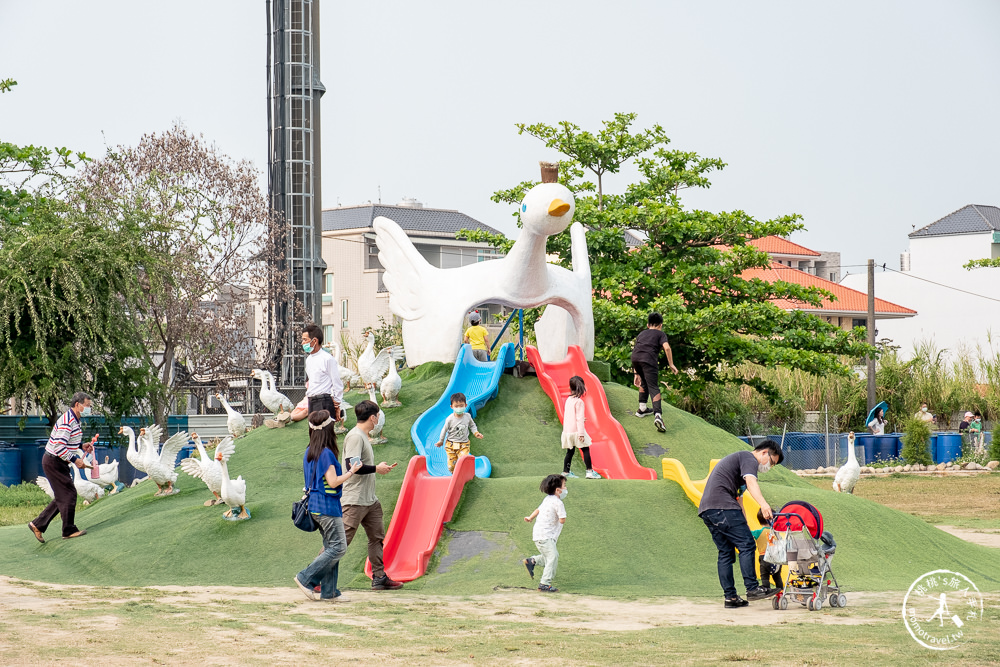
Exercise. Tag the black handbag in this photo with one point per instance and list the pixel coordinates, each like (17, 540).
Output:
(301, 517)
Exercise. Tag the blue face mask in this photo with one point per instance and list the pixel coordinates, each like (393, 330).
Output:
(459, 411)
(307, 348)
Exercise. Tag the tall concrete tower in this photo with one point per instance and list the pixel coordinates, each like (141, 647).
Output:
(293, 98)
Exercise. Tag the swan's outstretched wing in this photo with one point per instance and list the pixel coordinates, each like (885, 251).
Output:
(44, 485)
(172, 447)
(193, 468)
(405, 269)
(226, 447)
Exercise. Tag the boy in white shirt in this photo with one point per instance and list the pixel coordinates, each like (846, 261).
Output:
(551, 516)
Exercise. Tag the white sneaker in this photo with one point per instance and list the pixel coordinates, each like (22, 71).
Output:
(593, 475)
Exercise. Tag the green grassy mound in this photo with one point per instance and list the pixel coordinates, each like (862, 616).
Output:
(622, 538)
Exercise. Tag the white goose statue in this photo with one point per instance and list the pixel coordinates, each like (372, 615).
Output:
(107, 475)
(233, 491)
(85, 488)
(521, 279)
(236, 424)
(161, 467)
(134, 454)
(272, 399)
(372, 367)
(348, 376)
(850, 472)
(376, 437)
(205, 468)
(390, 387)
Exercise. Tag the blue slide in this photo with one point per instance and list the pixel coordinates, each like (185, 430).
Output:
(479, 381)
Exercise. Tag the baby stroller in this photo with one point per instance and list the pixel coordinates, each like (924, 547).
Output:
(797, 539)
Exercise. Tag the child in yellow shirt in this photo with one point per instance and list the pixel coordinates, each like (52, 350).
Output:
(478, 337)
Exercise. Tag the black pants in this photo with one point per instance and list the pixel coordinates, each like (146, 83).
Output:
(769, 571)
(61, 480)
(569, 458)
(730, 532)
(324, 402)
(649, 379)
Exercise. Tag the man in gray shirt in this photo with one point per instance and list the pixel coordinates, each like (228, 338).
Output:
(724, 517)
(360, 506)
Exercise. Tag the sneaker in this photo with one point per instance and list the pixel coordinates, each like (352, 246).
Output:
(570, 475)
(643, 413)
(529, 563)
(339, 597)
(384, 583)
(593, 475)
(658, 423)
(736, 603)
(545, 588)
(308, 593)
(759, 593)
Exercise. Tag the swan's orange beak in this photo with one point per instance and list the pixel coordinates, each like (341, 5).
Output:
(558, 208)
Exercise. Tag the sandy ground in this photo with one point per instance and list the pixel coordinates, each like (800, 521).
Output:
(513, 605)
(987, 538)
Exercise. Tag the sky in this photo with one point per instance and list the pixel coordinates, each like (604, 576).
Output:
(866, 118)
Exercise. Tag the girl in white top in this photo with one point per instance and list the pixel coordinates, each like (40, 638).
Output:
(877, 424)
(574, 428)
(551, 516)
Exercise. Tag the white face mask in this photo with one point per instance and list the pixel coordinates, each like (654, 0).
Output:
(764, 467)
(86, 411)
(923, 409)
(563, 493)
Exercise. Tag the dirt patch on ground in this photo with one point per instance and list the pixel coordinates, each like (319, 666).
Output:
(987, 538)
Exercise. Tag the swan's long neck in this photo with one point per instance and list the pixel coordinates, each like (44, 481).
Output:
(131, 442)
(225, 404)
(225, 477)
(851, 456)
(528, 250)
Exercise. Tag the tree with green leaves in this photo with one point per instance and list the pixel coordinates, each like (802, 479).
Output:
(69, 288)
(649, 252)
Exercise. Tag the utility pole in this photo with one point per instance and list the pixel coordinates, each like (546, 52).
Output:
(871, 334)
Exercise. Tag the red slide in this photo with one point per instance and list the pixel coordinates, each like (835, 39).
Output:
(611, 451)
(424, 505)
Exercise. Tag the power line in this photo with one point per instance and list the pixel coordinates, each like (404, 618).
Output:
(957, 289)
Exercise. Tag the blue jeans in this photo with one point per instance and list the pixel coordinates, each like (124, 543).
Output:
(324, 569)
(730, 531)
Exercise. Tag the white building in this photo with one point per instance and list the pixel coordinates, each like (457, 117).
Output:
(930, 278)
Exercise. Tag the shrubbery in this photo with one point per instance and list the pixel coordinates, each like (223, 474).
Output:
(916, 442)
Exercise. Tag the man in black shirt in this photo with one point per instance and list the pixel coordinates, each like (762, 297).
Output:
(724, 517)
(645, 362)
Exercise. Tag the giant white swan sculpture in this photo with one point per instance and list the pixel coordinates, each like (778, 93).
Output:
(205, 468)
(433, 302)
(233, 491)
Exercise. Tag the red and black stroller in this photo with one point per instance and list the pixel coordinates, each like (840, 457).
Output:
(797, 539)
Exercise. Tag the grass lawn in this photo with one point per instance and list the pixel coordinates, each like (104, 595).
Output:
(623, 539)
(966, 502)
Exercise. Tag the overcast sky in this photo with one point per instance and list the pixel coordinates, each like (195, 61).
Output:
(865, 117)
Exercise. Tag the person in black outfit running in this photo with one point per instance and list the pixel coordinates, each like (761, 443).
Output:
(645, 362)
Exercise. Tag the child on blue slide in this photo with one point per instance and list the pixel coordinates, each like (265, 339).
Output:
(456, 430)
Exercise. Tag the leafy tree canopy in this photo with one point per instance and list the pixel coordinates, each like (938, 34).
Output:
(649, 252)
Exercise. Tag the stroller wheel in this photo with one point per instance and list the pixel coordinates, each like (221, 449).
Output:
(775, 601)
(833, 599)
(809, 604)
(818, 604)
(841, 600)
(783, 603)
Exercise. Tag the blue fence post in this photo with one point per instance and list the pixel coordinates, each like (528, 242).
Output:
(520, 331)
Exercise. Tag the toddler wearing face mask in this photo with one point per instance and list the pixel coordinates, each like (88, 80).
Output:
(551, 516)
(456, 431)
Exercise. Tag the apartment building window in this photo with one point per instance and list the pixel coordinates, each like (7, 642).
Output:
(327, 333)
(328, 288)
(372, 256)
(343, 314)
(486, 254)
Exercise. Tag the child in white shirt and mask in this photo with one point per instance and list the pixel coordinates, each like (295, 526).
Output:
(551, 516)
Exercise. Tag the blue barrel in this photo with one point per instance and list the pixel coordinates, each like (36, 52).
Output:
(185, 453)
(884, 448)
(949, 447)
(126, 473)
(31, 459)
(10, 465)
(934, 448)
(812, 449)
(899, 444)
(867, 441)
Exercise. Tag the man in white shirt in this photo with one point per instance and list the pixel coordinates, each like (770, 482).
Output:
(326, 389)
